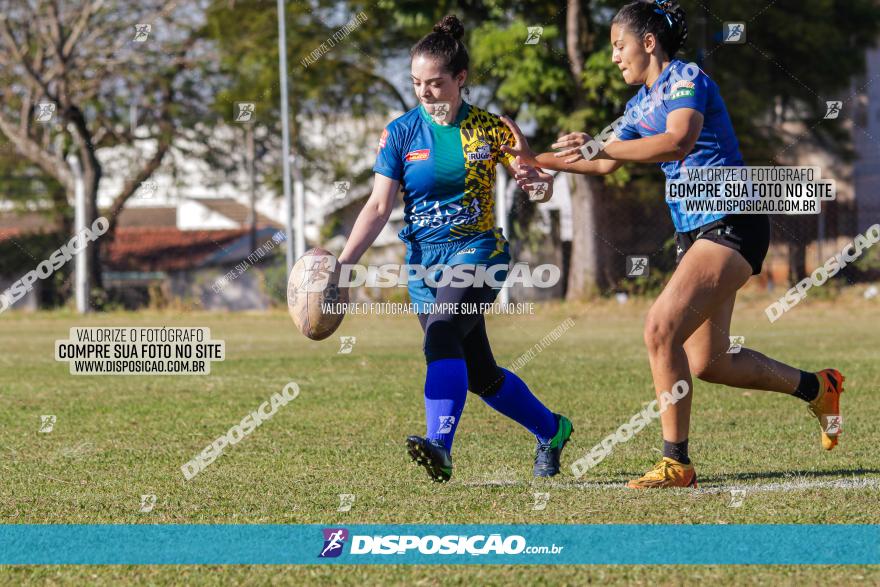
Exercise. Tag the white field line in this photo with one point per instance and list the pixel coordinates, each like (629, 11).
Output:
(799, 484)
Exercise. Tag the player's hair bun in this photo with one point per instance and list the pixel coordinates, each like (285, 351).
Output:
(450, 25)
(665, 19)
(445, 44)
(679, 23)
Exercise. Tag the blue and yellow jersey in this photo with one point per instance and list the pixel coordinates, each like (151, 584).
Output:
(447, 172)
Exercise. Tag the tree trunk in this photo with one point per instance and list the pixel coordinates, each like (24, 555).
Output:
(92, 172)
(585, 259)
(92, 178)
(797, 261)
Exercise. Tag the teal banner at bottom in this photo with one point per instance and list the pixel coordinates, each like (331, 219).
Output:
(613, 544)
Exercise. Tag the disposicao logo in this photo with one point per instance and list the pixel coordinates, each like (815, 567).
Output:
(334, 540)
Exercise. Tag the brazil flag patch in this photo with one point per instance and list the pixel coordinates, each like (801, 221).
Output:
(683, 93)
(681, 89)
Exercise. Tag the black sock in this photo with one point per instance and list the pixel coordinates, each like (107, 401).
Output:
(808, 388)
(677, 451)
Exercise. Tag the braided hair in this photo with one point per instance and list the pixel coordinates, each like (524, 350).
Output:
(665, 19)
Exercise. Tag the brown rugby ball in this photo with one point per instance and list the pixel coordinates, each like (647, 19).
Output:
(313, 286)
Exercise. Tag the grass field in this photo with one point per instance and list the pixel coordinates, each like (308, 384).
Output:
(118, 437)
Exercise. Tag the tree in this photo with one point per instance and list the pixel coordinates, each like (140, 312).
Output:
(333, 89)
(71, 74)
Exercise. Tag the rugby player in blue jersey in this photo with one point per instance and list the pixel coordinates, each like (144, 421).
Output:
(443, 154)
(678, 119)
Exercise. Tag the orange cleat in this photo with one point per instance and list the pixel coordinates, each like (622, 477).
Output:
(666, 473)
(826, 406)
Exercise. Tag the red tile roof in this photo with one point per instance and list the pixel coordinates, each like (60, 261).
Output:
(153, 248)
(164, 248)
(8, 233)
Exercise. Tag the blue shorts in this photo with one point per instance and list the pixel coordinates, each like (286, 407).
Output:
(487, 249)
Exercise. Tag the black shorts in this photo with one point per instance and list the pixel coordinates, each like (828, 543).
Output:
(747, 234)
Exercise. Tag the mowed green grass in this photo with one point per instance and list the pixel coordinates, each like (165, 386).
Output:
(118, 437)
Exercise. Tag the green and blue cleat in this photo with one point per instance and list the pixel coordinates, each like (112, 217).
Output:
(547, 453)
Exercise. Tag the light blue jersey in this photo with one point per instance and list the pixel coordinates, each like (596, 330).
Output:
(684, 85)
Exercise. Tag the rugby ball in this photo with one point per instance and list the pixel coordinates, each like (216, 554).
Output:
(314, 299)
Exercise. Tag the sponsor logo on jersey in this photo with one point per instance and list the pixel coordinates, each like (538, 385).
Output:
(419, 155)
(382, 140)
(682, 83)
(432, 216)
(482, 153)
(681, 89)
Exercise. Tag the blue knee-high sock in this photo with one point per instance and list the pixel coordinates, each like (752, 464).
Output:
(515, 401)
(445, 393)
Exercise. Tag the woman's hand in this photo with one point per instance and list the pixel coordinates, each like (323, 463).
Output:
(521, 148)
(533, 180)
(571, 144)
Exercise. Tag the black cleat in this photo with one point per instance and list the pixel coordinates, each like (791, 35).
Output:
(432, 455)
(547, 453)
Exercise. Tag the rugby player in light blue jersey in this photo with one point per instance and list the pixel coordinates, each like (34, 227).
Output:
(678, 119)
